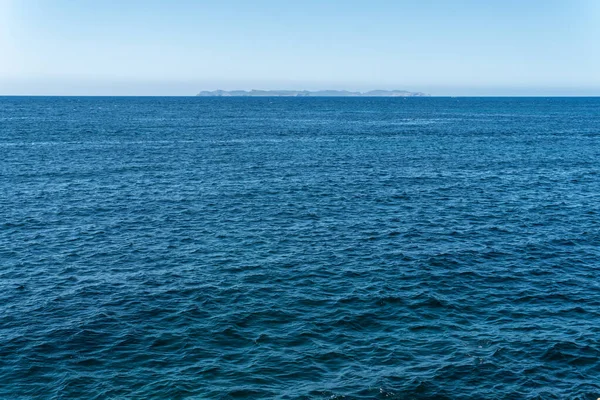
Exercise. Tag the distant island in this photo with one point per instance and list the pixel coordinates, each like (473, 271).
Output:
(307, 93)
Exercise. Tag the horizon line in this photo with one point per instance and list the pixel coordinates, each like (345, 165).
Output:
(303, 97)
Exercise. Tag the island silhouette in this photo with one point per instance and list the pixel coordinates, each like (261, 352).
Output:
(307, 93)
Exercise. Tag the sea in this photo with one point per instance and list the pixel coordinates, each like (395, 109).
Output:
(299, 248)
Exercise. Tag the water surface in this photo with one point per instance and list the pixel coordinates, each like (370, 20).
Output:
(299, 248)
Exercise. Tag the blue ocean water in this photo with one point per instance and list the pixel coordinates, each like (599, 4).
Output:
(299, 248)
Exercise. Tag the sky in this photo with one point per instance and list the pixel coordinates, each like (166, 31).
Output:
(179, 47)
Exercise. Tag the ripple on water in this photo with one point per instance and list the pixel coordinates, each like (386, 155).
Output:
(299, 248)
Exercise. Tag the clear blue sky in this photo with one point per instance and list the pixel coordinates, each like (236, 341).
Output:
(458, 47)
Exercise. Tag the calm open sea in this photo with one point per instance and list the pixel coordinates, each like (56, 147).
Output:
(299, 248)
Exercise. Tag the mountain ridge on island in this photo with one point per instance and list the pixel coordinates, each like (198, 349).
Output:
(308, 93)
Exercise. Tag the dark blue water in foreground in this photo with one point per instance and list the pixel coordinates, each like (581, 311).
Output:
(299, 248)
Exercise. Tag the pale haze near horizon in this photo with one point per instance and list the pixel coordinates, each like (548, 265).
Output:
(179, 48)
